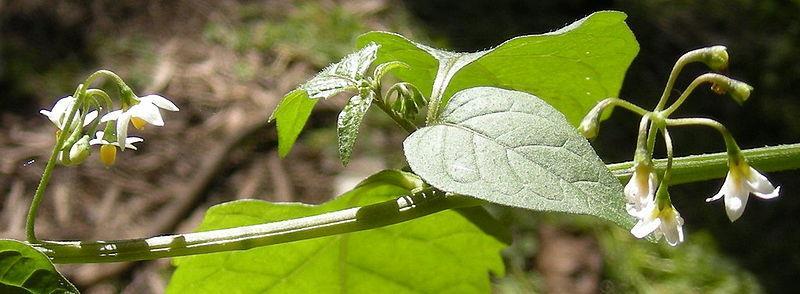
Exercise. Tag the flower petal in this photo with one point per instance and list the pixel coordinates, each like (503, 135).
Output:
(735, 203)
(760, 185)
(644, 227)
(90, 117)
(673, 229)
(130, 140)
(122, 126)
(114, 115)
(724, 190)
(160, 101)
(148, 112)
(771, 195)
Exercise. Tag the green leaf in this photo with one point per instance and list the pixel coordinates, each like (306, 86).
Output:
(290, 117)
(349, 121)
(512, 148)
(295, 108)
(23, 269)
(438, 253)
(571, 69)
(342, 76)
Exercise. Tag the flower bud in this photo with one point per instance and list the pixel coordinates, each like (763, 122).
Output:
(715, 57)
(589, 127)
(739, 91)
(79, 151)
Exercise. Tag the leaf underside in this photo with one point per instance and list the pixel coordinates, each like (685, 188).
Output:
(512, 148)
(439, 253)
(349, 121)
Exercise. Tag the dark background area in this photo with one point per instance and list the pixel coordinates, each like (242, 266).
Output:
(763, 40)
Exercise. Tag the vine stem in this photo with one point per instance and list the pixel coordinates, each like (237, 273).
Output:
(684, 170)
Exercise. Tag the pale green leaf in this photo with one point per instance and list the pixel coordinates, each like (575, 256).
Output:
(439, 253)
(290, 117)
(342, 76)
(572, 68)
(349, 121)
(512, 148)
(23, 269)
(295, 108)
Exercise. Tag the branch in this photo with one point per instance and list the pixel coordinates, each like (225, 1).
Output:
(685, 169)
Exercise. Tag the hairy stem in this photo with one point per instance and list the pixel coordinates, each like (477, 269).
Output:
(684, 169)
(401, 121)
(240, 238)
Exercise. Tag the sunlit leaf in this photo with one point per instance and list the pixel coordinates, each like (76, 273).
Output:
(343, 75)
(439, 253)
(512, 148)
(290, 117)
(571, 68)
(349, 121)
(295, 108)
(23, 269)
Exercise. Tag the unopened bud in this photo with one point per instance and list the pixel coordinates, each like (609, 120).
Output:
(590, 126)
(79, 151)
(739, 91)
(715, 57)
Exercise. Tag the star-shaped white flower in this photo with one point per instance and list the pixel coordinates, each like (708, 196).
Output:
(640, 188)
(665, 221)
(741, 181)
(146, 111)
(108, 150)
(60, 112)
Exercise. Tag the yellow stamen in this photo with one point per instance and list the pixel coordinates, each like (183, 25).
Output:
(138, 122)
(108, 154)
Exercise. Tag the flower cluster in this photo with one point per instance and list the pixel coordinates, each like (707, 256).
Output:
(652, 207)
(74, 121)
(646, 195)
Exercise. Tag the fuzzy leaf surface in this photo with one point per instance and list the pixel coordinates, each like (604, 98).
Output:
(512, 148)
(295, 108)
(343, 75)
(349, 121)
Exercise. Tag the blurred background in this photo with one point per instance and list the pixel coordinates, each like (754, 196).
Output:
(227, 63)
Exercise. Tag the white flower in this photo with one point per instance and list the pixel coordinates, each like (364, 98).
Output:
(60, 112)
(146, 111)
(108, 150)
(665, 221)
(741, 181)
(640, 189)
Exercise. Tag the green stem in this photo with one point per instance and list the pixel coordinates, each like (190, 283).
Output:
(402, 122)
(730, 143)
(30, 221)
(704, 78)
(684, 170)
(622, 103)
(696, 168)
(241, 238)
(38, 195)
(95, 75)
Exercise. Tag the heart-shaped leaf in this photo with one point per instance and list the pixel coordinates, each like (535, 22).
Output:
(512, 148)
